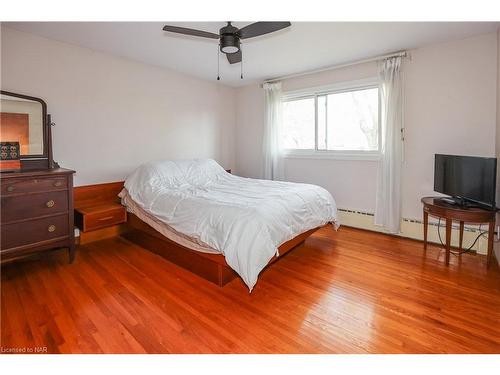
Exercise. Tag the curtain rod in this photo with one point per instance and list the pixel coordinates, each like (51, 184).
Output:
(376, 58)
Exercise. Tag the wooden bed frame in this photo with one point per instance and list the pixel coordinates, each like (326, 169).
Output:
(212, 267)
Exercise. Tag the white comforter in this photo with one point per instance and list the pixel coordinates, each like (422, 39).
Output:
(245, 219)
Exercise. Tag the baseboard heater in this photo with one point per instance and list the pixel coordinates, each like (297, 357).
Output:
(413, 228)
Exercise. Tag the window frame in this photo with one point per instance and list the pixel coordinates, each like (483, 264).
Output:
(337, 88)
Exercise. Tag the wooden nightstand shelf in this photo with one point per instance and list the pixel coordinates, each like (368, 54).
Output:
(100, 216)
(98, 212)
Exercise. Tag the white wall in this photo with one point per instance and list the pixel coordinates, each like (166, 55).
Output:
(113, 114)
(250, 130)
(450, 108)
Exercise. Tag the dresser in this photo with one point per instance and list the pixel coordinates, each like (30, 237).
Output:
(36, 213)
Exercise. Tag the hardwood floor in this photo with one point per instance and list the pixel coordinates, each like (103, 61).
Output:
(346, 292)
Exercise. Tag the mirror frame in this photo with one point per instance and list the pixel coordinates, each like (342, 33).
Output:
(37, 161)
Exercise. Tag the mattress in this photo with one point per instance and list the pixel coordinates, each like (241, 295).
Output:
(163, 228)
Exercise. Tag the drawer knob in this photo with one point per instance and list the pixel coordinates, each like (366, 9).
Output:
(10, 188)
(58, 183)
(50, 203)
(51, 228)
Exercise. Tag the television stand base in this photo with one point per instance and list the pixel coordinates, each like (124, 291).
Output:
(449, 201)
(459, 202)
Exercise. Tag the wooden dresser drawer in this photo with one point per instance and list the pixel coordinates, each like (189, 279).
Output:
(32, 185)
(19, 207)
(32, 231)
(102, 216)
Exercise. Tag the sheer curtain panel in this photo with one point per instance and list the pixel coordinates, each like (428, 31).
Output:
(388, 195)
(273, 162)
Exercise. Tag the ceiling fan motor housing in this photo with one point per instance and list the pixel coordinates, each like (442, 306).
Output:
(229, 43)
(229, 39)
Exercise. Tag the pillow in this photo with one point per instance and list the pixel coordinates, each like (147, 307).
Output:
(200, 172)
(173, 174)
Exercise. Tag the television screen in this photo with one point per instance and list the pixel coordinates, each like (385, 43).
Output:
(468, 177)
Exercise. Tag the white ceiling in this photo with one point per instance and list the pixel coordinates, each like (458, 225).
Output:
(302, 47)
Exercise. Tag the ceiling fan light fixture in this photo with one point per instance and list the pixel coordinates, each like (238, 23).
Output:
(230, 49)
(229, 43)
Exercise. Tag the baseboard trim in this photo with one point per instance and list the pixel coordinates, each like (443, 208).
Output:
(413, 229)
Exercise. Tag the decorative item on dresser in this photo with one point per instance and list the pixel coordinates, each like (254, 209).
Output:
(9, 155)
(37, 199)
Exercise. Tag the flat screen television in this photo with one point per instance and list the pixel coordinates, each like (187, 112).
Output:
(468, 179)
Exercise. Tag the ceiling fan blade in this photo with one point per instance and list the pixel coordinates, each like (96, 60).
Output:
(193, 32)
(234, 58)
(261, 28)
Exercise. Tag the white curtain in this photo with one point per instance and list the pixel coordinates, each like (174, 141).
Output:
(273, 163)
(388, 196)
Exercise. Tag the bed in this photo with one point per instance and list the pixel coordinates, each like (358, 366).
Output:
(239, 223)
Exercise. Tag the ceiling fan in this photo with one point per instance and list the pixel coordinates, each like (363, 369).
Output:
(229, 36)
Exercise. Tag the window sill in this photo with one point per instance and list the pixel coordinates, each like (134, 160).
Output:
(331, 155)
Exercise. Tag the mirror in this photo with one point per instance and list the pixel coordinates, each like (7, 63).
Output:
(22, 119)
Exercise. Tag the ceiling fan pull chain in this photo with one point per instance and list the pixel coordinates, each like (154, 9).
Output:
(241, 71)
(218, 60)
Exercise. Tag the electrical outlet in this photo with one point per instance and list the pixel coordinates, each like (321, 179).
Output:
(497, 232)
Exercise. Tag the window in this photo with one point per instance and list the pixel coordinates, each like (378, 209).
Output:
(299, 124)
(335, 122)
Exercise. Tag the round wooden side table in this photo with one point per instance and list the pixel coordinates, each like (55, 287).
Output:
(434, 206)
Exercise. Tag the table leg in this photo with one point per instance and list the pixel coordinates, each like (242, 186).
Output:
(461, 238)
(448, 240)
(491, 234)
(426, 223)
